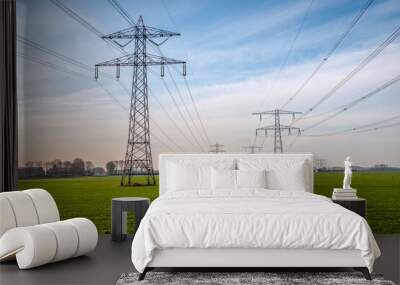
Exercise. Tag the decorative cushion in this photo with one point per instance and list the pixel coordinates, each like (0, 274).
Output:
(251, 178)
(223, 179)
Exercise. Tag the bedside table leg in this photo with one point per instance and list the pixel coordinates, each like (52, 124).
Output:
(116, 222)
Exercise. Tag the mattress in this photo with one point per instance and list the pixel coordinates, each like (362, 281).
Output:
(251, 219)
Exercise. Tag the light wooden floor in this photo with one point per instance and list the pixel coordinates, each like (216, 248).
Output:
(110, 260)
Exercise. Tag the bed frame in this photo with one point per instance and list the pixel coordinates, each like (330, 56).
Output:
(246, 258)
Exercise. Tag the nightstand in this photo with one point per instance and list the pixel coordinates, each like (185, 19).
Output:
(119, 208)
(357, 205)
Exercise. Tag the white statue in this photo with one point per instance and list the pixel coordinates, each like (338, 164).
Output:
(347, 174)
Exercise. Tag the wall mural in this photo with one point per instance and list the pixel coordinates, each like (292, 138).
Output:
(104, 87)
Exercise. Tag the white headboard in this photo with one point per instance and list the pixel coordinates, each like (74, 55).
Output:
(213, 157)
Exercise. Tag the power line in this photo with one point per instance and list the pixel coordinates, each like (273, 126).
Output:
(349, 76)
(93, 29)
(277, 127)
(122, 12)
(84, 23)
(155, 98)
(181, 114)
(289, 53)
(138, 156)
(77, 18)
(284, 62)
(184, 103)
(355, 102)
(217, 148)
(364, 128)
(129, 19)
(179, 109)
(165, 134)
(186, 81)
(252, 148)
(53, 66)
(123, 86)
(202, 128)
(330, 52)
(80, 75)
(53, 53)
(66, 59)
(154, 122)
(112, 96)
(195, 107)
(174, 25)
(377, 128)
(196, 110)
(164, 110)
(60, 56)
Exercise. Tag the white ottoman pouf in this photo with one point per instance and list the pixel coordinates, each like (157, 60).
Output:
(31, 232)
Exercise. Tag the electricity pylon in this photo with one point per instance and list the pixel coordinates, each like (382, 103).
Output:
(216, 148)
(277, 127)
(252, 148)
(138, 159)
(319, 163)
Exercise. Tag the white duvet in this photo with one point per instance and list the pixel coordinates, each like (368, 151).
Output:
(250, 219)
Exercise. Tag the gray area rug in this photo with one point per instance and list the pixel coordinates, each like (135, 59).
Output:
(228, 278)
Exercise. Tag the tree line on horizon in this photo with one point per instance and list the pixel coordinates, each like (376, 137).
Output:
(80, 167)
(76, 167)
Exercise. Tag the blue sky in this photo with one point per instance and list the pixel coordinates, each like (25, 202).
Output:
(234, 51)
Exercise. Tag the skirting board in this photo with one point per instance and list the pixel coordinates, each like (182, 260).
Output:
(229, 257)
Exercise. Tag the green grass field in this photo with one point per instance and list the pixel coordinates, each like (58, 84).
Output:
(91, 196)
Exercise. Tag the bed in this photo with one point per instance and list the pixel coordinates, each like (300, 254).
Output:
(246, 211)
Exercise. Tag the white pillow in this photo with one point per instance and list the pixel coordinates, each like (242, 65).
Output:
(282, 174)
(252, 178)
(183, 177)
(287, 176)
(223, 179)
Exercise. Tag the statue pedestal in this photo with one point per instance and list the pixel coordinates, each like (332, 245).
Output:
(344, 190)
(344, 194)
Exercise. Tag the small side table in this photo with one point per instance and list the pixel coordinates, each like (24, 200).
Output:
(357, 205)
(119, 208)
